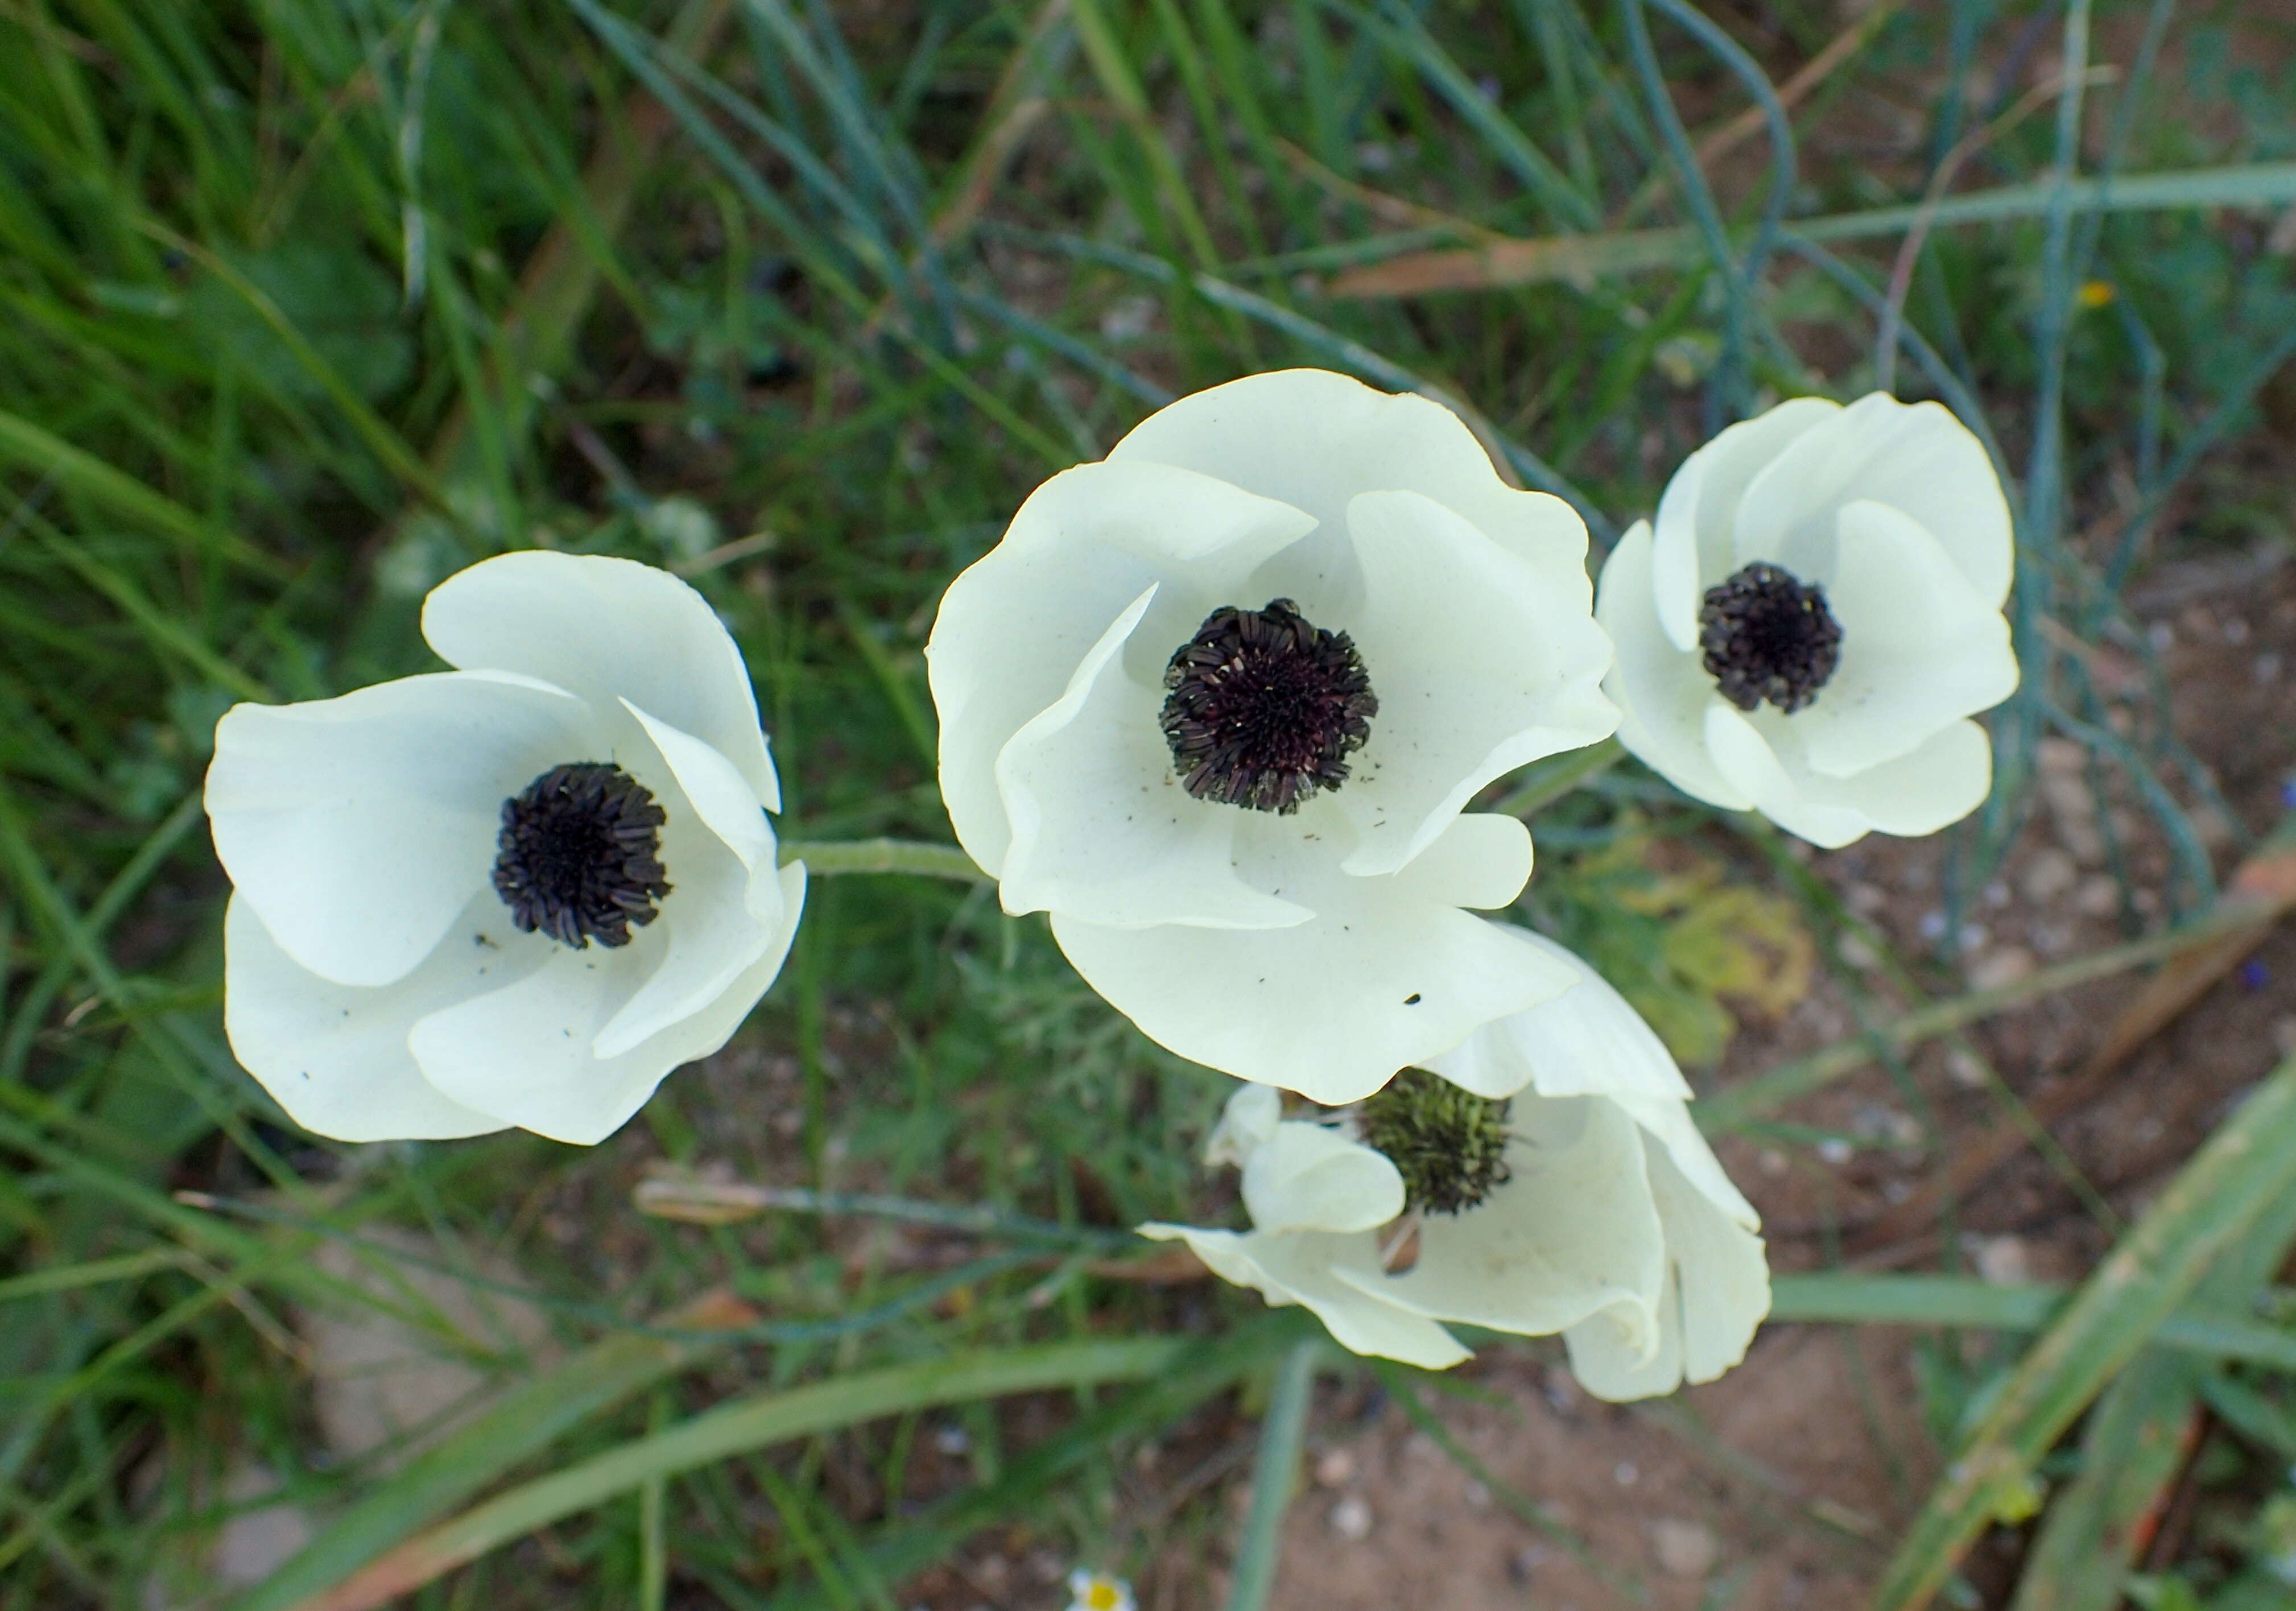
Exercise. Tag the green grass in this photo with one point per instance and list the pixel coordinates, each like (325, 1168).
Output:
(303, 305)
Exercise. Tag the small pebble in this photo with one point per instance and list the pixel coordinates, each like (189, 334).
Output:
(1627, 1473)
(1996, 968)
(2001, 1261)
(1478, 1496)
(1335, 1468)
(1965, 1071)
(2098, 896)
(1350, 1518)
(1853, 950)
(1684, 1548)
(1834, 1150)
(2048, 872)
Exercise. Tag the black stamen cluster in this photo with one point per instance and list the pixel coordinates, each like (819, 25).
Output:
(580, 855)
(1448, 1145)
(1767, 636)
(1264, 709)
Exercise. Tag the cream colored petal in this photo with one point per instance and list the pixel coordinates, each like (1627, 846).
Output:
(360, 827)
(1585, 1042)
(1382, 978)
(1661, 692)
(1479, 668)
(605, 629)
(1310, 1177)
(525, 1053)
(1697, 514)
(1013, 627)
(1298, 1267)
(1916, 457)
(334, 1056)
(1247, 1122)
(1314, 440)
(1573, 1231)
(1920, 649)
(1616, 1356)
(1936, 785)
(1101, 829)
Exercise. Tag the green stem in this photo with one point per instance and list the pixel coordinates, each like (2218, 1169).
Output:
(1558, 775)
(825, 856)
(1275, 1475)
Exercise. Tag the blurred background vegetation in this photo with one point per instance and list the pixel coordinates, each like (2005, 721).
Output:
(303, 305)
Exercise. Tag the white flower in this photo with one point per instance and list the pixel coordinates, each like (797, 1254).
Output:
(1815, 617)
(1589, 1204)
(1217, 703)
(446, 888)
(1098, 1591)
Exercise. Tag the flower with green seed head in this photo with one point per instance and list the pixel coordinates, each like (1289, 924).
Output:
(1542, 1177)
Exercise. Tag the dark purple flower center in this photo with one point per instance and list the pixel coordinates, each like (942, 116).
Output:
(1769, 636)
(580, 855)
(1265, 707)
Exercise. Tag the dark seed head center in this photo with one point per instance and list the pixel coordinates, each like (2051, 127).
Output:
(1265, 707)
(581, 855)
(1769, 636)
(1449, 1145)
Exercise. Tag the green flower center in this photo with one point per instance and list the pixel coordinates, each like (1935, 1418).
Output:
(1449, 1145)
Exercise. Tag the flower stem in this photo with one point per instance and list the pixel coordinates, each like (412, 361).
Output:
(1558, 775)
(825, 856)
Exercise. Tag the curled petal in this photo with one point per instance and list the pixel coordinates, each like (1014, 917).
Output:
(606, 629)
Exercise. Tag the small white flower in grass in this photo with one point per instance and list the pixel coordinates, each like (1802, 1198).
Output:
(1815, 616)
(1543, 1177)
(1098, 1591)
(515, 894)
(1217, 703)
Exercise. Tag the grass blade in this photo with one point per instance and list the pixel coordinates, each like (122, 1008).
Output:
(2249, 1163)
(747, 1423)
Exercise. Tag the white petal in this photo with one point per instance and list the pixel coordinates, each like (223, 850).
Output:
(1381, 980)
(1101, 827)
(606, 629)
(1298, 1268)
(1573, 1231)
(1667, 1121)
(1937, 784)
(334, 1056)
(1482, 861)
(1314, 440)
(1247, 1122)
(1796, 801)
(1585, 1042)
(1916, 457)
(1717, 1291)
(1720, 1272)
(360, 827)
(1920, 647)
(725, 907)
(1697, 511)
(1013, 627)
(1612, 1352)
(1478, 667)
(524, 1054)
(1662, 691)
(1309, 1177)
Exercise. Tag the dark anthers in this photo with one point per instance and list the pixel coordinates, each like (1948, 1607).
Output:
(1266, 706)
(1449, 1145)
(1767, 636)
(580, 857)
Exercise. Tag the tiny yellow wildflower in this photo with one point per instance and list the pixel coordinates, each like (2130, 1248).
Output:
(1098, 1591)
